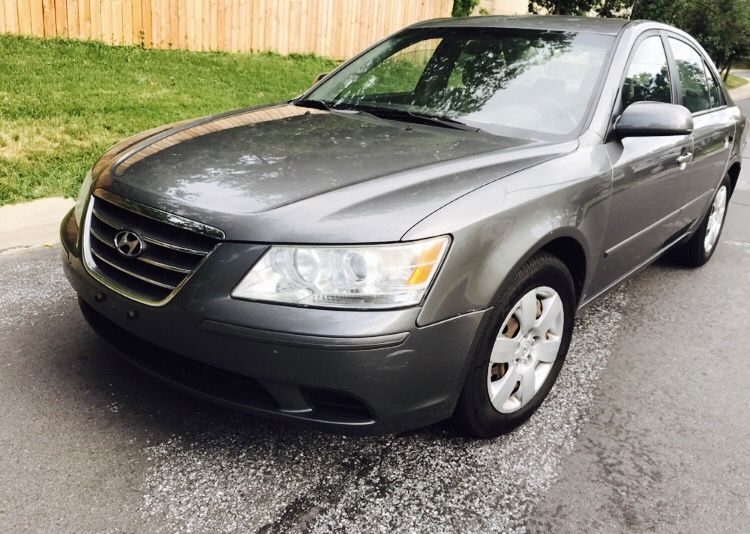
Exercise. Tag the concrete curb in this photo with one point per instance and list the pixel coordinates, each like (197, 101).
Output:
(740, 93)
(32, 224)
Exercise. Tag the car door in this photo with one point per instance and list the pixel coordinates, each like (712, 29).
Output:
(713, 124)
(648, 173)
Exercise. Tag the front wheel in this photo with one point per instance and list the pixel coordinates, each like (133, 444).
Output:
(701, 246)
(522, 349)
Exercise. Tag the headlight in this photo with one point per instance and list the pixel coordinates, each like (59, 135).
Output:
(83, 195)
(378, 276)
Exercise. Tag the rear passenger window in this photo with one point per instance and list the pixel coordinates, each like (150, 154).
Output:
(648, 75)
(694, 88)
(714, 90)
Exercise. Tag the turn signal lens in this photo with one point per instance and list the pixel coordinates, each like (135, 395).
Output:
(427, 260)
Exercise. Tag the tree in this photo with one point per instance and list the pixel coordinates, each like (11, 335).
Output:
(562, 7)
(601, 8)
(463, 8)
(722, 27)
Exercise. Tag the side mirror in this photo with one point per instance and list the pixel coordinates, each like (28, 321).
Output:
(643, 119)
(319, 77)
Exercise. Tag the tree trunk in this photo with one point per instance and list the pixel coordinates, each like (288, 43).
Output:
(728, 67)
(635, 11)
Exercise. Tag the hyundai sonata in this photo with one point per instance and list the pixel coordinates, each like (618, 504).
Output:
(412, 238)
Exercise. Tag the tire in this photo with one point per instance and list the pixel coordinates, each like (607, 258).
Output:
(695, 252)
(518, 349)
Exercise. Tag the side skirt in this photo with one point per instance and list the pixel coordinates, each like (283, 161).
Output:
(585, 304)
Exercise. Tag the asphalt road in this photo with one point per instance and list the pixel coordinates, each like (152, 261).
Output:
(647, 429)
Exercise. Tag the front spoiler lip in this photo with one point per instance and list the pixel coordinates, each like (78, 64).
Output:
(308, 416)
(280, 414)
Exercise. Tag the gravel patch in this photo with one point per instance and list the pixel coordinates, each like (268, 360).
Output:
(246, 474)
(29, 278)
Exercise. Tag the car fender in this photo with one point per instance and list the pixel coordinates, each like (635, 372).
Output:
(498, 227)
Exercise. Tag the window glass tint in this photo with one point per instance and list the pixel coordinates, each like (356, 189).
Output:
(521, 83)
(714, 91)
(693, 82)
(399, 73)
(648, 74)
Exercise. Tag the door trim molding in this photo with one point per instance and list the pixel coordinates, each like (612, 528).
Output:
(651, 226)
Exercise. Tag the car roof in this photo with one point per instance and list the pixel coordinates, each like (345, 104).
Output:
(601, 25)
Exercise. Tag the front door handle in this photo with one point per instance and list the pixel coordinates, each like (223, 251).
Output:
(683, 159)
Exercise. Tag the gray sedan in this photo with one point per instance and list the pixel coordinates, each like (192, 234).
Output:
(412, 238)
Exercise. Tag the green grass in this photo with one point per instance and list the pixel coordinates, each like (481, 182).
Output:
(63, 103)
(734, 82)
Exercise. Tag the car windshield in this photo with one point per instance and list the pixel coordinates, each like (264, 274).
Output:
(521, 83)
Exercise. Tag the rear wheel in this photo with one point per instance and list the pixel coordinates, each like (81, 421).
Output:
(701, 246)
(522, 349)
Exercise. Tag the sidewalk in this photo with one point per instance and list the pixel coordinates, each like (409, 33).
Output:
(744, 91)
(31, 224)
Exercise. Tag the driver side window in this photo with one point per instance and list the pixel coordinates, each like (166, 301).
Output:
(648, 74)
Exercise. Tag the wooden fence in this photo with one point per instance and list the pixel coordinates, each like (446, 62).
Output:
(333, 28)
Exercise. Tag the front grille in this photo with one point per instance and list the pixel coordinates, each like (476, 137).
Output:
(172, 250)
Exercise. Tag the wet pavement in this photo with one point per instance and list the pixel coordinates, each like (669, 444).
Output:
(647, 429)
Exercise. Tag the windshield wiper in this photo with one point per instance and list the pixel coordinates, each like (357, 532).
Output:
(313, 103)
(411, 116)
(447, 122)
(388, 113)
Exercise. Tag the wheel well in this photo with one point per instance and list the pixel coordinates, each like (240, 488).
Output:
(734, 175)
(571, 253)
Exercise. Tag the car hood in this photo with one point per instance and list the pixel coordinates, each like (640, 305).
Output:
(290, 174)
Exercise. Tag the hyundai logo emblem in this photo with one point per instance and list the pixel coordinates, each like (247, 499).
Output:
(128, 244)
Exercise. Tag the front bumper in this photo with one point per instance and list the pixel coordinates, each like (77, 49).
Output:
(361, 372)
